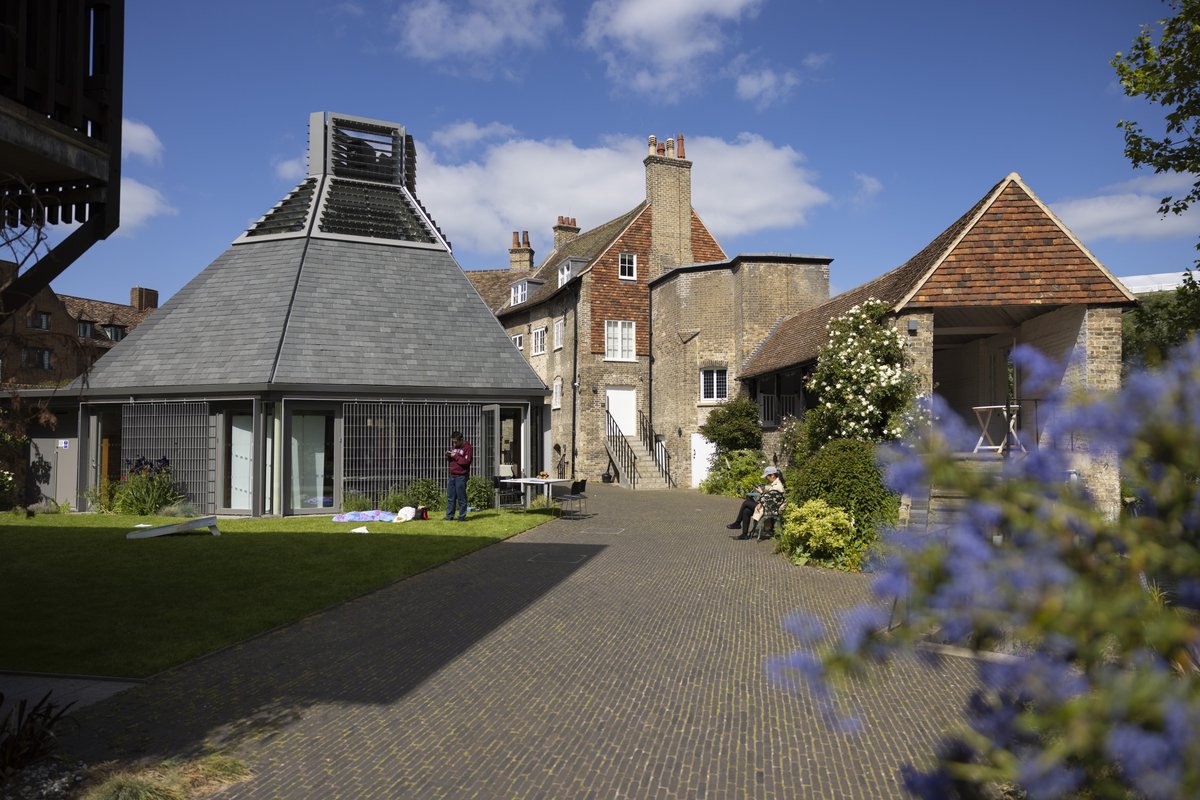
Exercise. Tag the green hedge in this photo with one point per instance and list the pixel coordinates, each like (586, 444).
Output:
(844, 474)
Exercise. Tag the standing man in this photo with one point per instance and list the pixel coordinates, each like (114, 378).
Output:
(459, 458)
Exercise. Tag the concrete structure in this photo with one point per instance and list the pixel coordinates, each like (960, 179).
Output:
(329, 351)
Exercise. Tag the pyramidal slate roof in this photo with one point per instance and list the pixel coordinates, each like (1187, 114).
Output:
(347, 282)
(1007, 249)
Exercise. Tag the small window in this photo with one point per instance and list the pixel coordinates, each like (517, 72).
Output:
(114, 332)
(86, 330)
(564, 272)
(627, 268)
(519, 341)
(556, 397)
(39, 320)
(619, 335)
(558, 334)
(713, 385)
(539, 342)
(519, 293)
(36, 357)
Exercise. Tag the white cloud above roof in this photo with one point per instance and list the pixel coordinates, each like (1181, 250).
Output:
(1128, 211)
(741, 186)
(292, 169)
(659, 45)
(766, 87)
(139, 139)
(139, 203)
(476, 30)
(467, 133)
(869, 188)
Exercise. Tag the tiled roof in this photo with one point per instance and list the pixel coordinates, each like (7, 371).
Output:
(1008, 249)
(493, 285)
(104, 313)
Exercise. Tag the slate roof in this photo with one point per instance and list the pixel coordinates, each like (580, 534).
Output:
(322, 312)
(1007, 249)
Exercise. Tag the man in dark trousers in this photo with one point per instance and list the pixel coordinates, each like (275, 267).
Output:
(459, 459)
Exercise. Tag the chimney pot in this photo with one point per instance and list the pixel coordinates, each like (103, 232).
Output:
(525, 239)
(670, 148)
(573, 225)
(679, 146)
(516, 239)
(651, 141)
(662, 150)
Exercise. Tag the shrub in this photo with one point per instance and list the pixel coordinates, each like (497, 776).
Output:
(104, 499)
(393, 501)
(544, 505)
(480, 492)
(843, 473)
(27, 733)
(357, 502)
(425, 492)
(822, 534)
(734, 425)
(147, 488)
(734, 473)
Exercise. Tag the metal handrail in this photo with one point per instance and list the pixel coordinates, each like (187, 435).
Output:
(656, 447)
(620, 451)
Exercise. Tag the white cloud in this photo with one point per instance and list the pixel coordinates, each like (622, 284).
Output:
(1162, 184)
(1123, 215)
(766, 87)
(869, 188)
(292, 169)
(139, 139)
(816, 60)
(659, 45)
(467, 133)
(350, 9)
(431, 30)
(139, 203)
(738, 187)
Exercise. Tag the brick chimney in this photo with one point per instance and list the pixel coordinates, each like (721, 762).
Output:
(669, 193)
(143, 299)
(520, 256)
(565, 231)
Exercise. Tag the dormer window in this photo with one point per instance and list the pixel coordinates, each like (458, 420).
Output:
(564, 272)
(519, 293)
(86, 330)
(114, 332)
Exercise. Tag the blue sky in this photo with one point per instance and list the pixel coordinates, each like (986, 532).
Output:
(855, 130)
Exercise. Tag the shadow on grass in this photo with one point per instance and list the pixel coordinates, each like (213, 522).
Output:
(371, 650)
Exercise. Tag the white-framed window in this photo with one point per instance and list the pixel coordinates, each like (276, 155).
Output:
(564, 272)
(619, 336)
(627, 266)
(519, 341)
(556, 397)
(558, 333)
(519, 293)
(539, 342)
(714, 385)
(39, 320)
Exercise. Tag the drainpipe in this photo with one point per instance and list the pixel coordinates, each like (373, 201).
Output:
(575, 381)
(650, 366)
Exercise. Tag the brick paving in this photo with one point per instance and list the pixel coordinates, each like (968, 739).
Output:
(619, 655)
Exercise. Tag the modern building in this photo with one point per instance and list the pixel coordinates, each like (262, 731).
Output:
(329, 351)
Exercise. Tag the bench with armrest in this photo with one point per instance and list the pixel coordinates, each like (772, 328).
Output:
(773, 503)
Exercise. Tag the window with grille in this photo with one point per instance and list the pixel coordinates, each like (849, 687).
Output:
(114, 332)
(39, 320)
(519, 293)
(519, 341)
(564, 272)
(36, 357)
(539, 342)
(558, 334)
(713, 385)
(627, 266)
(619, 340)
(181, 434)
(86, 330)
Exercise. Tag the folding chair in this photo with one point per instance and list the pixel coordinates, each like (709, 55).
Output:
(576, 496)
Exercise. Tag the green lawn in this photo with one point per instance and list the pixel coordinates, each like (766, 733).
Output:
(76, 596)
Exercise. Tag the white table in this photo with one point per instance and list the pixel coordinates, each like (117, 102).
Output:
(1009, 415)
(548, 483)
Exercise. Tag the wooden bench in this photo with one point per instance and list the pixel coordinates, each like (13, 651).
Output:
(178, 527)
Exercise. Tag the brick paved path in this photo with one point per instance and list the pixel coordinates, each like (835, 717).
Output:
(615, 656)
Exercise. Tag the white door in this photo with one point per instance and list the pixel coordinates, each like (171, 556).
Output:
(621, 402)
(702, 453)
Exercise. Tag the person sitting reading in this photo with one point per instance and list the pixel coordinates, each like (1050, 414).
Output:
(750, 509)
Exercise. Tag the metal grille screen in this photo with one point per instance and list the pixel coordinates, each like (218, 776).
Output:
(387, 445)
(179, 431)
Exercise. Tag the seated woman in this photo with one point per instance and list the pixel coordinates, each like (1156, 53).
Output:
(751, 509)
